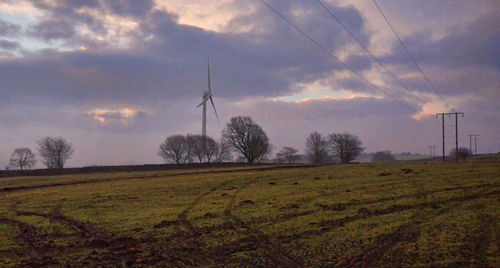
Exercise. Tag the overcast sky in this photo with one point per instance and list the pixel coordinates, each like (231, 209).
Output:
(117, 77)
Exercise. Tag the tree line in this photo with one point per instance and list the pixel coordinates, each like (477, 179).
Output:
(246, 138)
(241, 135)
(54, 151)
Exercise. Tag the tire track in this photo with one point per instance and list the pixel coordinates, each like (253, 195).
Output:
(276, 253)
(190, 239)
(22, 188)
(292, 215)
(475, 245)
(37, 253)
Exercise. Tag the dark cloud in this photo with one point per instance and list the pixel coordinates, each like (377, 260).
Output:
(9, 45)
(52, 29)
(9, 29)
(472, 44)
(137, 8)
(173, 64)
(161, 73)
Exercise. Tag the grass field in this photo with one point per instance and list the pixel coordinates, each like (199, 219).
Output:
(365, 215)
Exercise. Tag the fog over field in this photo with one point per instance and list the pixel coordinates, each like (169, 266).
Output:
(116, 78)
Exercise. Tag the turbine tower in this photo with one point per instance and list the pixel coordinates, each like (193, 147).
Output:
(207, 95)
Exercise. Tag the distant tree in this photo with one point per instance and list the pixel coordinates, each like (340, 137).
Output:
(173, 149)
(463, 153)
(54, 151)
(223, 152)
(288, 155)
(384, 156)
(22, 158)
(345, 145)
(204, 147)
(190, 146)
(316, 148)
(211, 149)
(248, 138)
(279, 158)
(198, 146)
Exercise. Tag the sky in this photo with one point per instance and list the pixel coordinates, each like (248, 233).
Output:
(116, 77)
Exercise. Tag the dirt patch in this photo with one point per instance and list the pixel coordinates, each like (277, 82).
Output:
(247, 202)
(272, 183)
(364, 212)
(291, 206)
(37, 252)
(384, 174)
(210, 215)
(165, 223)
(408, 171)
(334, 207)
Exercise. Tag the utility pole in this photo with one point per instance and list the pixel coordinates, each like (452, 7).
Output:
(475, 142)
(432, 150)
(456, 131)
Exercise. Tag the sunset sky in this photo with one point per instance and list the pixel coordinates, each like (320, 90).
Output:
(117, 77)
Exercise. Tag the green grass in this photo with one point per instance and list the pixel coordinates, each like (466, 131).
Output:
(416, 214)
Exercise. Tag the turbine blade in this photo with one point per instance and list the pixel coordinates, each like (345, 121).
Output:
(213, 105)
(200, 104)
(209, 83)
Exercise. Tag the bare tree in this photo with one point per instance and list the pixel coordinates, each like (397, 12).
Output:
(190, 144)
(173, 149)
(199, 146)
(316, 148)
(204, 147)
(211, 149)
(288, 155)
(54, 151)
(463, 153)
(345, 145)
(248, 138)
(223, 152)
(22, 158)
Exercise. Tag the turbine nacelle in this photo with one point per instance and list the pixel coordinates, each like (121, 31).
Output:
(206, 97)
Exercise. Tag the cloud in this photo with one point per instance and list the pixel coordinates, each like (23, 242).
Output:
(51, 29)
(152, 60)
(9, 29)
(9, 45)
(110, 116)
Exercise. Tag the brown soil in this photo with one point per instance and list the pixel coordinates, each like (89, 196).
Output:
(335, 207)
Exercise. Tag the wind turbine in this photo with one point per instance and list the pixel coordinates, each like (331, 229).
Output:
(207, 95)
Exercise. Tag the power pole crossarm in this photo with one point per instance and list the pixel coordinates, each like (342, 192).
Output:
(456, 131)
(475, 142)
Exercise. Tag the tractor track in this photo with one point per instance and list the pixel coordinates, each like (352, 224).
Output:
(22, 188)
(37, 252)
(328, 225)
(257, 237)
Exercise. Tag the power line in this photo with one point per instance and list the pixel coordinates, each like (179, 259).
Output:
(409, 54)
(334, 57)
(369, 52)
